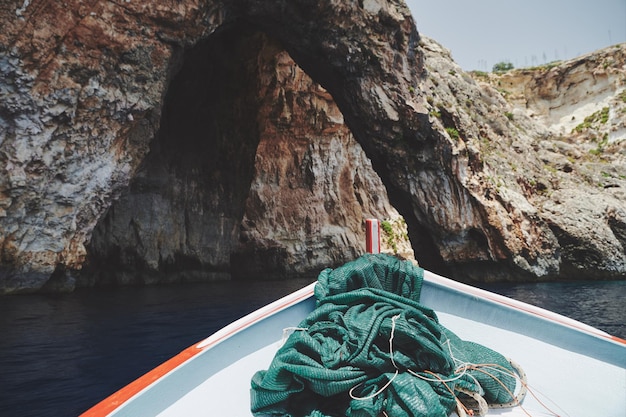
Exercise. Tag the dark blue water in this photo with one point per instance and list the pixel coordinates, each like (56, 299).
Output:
(599, 304)
(60, 354)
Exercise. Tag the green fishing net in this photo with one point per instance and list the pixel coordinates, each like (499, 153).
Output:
(370, 348)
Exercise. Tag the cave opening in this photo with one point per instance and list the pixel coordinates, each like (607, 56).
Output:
(252, 174)
(179, 217)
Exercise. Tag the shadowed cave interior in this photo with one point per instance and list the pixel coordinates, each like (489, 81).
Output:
(179, 219)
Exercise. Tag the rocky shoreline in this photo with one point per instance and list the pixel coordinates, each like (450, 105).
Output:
(185, 141)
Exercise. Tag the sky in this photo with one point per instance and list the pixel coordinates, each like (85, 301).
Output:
(481, 33)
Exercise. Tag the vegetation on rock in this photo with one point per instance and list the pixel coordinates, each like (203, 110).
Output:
(503, 66)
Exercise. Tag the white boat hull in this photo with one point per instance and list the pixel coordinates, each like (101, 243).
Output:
(572, 369)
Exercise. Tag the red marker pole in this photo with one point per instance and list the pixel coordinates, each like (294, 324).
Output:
(372, 236)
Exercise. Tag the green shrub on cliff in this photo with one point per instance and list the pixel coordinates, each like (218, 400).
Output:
(601, 116)
(454, 134)
(503, 66)
(394, 234)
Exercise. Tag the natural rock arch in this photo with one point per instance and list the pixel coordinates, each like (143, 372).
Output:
(84, 85)
(112, 63)
(239, 104)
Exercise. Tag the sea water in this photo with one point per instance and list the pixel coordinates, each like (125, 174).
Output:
(61, 354)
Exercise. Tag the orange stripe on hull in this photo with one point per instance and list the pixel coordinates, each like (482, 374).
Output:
(112, 402)
(618, 339)
(117, 399)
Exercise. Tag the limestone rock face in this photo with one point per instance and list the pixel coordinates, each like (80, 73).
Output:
(313, 185)
(273, 151)
(179, 218)
(546, 145)
(96, 96)
(80, 98)
(578, 112)
(184, 140)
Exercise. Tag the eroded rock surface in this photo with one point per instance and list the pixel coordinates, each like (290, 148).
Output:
(546, 152)
(272, 150)
(575, 115)
(96, 126)
(313, 185)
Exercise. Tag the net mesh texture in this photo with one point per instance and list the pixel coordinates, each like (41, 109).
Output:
(371, 349)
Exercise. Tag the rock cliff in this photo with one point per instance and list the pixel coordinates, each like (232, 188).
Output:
(265, 181)
(144, 142)
(576, 114)
(547, 146)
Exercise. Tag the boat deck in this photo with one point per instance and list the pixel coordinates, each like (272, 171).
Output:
(572, 369)
(227, 391)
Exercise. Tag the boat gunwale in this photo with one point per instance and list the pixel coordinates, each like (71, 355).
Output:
(537, 311)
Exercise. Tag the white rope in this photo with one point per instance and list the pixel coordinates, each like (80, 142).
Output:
(521, 377)
(460, 365)
(460, 371)
(374, 394)
(425, 378)
(287, 331)
(393, 330)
